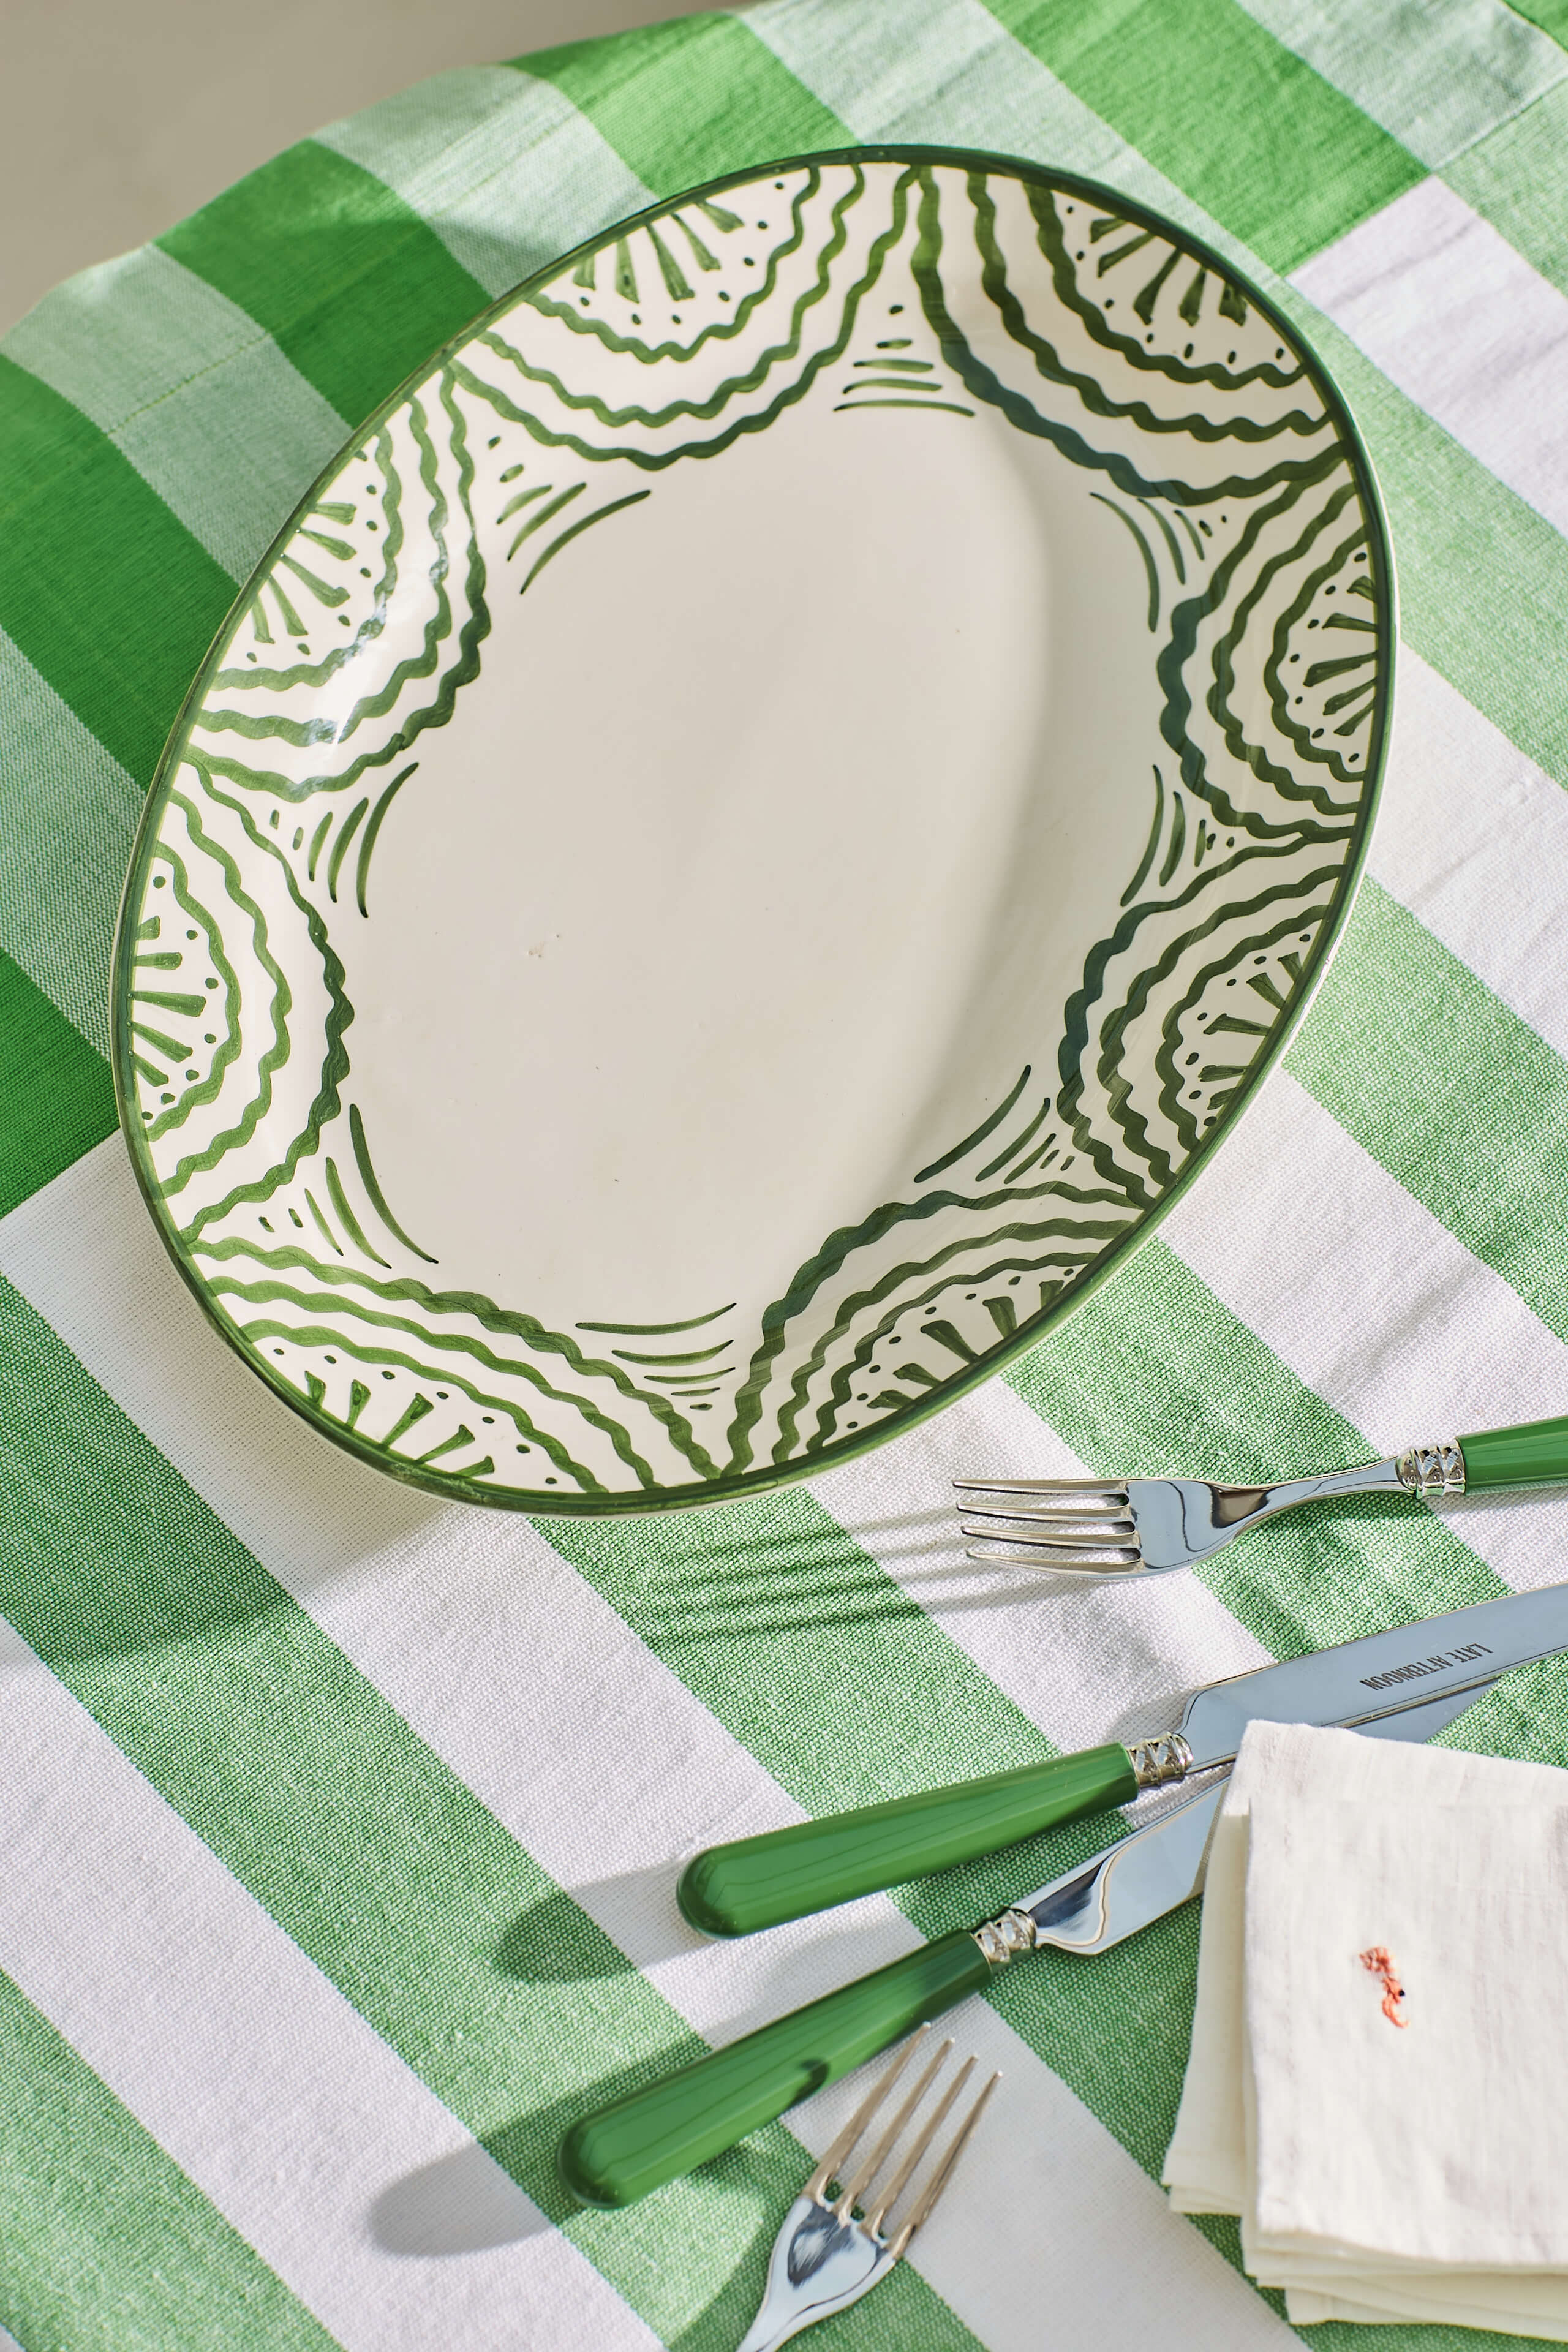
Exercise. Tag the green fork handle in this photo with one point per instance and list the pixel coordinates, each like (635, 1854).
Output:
(1533, 1454)
(621, 2151)
(761, 1881)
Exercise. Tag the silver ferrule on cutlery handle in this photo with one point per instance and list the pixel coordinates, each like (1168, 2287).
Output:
(1157, 1762)
(1420, 1470)
(1433, 1469)
(1003, 1939)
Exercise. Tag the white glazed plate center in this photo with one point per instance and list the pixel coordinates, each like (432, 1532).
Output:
(716, 912)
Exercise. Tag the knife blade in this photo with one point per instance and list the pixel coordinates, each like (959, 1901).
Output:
(637, 2142)
(1139, 1877)
(736, 1888)
(1355, 1683)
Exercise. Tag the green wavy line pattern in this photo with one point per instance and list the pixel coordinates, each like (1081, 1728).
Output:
(1202, 440)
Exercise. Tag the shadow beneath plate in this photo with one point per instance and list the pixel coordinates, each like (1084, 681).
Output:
(153, 1507)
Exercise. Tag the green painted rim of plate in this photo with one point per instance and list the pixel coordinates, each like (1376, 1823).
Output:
(1029, 1333)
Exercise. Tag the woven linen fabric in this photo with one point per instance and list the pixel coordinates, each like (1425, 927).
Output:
(339, 1826)
(1306, 2109)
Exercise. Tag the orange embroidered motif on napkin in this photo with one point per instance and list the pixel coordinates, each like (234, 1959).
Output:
(1379, 1962)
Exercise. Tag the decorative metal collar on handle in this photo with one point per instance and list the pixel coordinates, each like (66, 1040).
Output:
(1157, 1761)
(1433, 1469)
(1014, 1932)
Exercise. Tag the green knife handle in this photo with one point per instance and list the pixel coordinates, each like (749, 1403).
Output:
(619, 2152)
(1533, 1454)
(760, 1882)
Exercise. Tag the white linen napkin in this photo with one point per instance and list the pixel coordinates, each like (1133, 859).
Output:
(1386, 2166)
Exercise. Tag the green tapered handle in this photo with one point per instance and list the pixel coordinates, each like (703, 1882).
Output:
(1533, 1454)
(620, 2152)
(760, 1882)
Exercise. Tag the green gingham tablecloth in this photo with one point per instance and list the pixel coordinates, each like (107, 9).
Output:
(336, 1826)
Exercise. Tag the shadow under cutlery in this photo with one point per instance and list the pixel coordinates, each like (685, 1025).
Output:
(461, 2204)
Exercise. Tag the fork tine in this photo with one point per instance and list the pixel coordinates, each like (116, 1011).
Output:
(1112, 1489)
(1049, 1562)
(944, 2170)
(1080, 1525)
(854, 2189)
(1052, 1546)
(1075, 1545)
(848, 2138)
(895, 2188)
(1041, 1507)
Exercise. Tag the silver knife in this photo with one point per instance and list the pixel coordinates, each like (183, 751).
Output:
(1406, 1684)
(736, 1888)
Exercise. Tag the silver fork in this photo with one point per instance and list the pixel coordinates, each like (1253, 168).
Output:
(1146, 1526)
(832, 2250)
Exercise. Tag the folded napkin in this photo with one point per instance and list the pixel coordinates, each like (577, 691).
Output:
(1378, 2081)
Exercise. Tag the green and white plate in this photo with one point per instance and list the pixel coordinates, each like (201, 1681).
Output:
(753, 830)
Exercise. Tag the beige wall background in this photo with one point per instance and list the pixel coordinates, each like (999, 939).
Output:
(118, 116)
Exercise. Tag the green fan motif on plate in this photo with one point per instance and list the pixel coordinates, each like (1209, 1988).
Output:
(1209, 473)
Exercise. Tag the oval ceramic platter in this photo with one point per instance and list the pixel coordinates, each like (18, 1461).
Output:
(753, 831)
